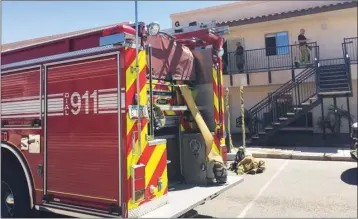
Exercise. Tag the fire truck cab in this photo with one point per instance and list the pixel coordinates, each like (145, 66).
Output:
(123, 127)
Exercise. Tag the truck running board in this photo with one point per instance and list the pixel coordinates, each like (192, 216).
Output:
(184, 197)
(71, 210)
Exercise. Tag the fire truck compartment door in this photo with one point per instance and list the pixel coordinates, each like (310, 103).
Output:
(185, 197)
(83, 151)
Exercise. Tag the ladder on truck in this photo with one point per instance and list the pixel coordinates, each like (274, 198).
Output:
(210, 26)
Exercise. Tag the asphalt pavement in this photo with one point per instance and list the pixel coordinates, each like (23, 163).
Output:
(291, 188)
(288, 188)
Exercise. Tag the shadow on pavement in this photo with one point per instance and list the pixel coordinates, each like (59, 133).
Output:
(350, 176)
(203, 216)
(318, 149)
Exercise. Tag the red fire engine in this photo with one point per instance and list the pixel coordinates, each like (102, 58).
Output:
(106, 124)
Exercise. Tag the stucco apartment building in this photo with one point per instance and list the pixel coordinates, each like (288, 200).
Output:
(273, 81)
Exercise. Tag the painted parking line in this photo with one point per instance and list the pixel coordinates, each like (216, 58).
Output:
(263, 188)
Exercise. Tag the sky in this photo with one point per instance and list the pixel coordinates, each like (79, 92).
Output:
(22, 20)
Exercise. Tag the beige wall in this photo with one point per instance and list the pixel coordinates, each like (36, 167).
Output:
(243, 9)
(261, 78)
(327, 29)
(277, 77)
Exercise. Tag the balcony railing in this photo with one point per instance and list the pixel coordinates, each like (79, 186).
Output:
(350, 47)
(270, 59)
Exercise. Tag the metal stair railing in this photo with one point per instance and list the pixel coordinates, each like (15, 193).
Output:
(288, 83)
(283, 87)
(350, 47)
(270, 58)
(285, 100)
(347, 62)
(267, 98)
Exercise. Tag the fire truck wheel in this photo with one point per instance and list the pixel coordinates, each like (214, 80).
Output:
(15, 201)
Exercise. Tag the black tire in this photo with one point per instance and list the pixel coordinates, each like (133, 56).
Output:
(14, 179)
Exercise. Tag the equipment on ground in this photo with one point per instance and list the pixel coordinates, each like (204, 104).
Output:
(248, 165)
(126, 121)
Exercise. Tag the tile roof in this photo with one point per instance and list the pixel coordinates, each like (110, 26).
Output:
(265, 17)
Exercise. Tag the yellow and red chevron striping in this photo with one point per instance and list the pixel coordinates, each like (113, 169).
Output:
(153, 157)
(221, 87)
(129, 79)
(156, 168)
(216, 146)
(223, 150)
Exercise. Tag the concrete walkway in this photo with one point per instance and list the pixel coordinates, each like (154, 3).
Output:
(298, 153)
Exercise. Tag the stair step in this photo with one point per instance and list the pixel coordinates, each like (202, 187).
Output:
(337, 66)
(334, 80)
(333, 77)
(332, 69)
(334, 88)
(334, 84)
(262, 133)
(255, 137)
(298, 108)
(340, 88)
(269, 128)
(283, 118)
(334, 92)
(306, 104)
(290, 114)
(340, 68)
(276, 123)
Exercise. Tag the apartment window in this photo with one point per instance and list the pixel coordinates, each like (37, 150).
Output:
(276, 43)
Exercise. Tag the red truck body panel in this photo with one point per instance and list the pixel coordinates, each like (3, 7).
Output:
(70, 44)
(83, 126)
(20, 104)
(83, 130)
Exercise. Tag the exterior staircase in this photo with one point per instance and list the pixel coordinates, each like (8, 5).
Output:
(327, 78)
(334, 78)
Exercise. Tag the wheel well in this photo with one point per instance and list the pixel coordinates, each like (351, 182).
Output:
(10, 157)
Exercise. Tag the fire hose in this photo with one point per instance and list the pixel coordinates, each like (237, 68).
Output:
(242, 163)
(240, 152)
(219, 167)
(208, 137)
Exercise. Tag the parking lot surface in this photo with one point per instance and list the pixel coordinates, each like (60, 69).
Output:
(291, 188)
